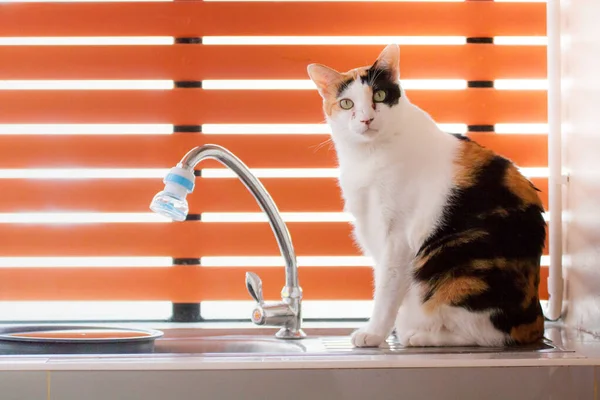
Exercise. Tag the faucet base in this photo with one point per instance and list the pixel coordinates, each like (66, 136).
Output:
(288, 334)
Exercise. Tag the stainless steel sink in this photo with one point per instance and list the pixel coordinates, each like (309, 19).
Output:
(260, 342)
(320, 342)
(227, 345)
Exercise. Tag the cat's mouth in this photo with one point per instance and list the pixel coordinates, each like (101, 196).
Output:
(369, 132)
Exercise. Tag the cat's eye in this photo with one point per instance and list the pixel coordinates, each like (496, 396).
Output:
(379, 96)
(346, 104)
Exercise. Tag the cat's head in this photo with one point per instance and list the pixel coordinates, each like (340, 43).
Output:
(359, 104)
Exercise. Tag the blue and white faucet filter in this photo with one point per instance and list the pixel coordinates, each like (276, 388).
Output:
(172, 202)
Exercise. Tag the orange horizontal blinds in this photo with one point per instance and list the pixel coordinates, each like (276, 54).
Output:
(184, 62)
(472, 56)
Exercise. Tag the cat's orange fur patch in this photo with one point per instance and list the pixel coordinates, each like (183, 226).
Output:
(502, 263)
(498, 212)
(470, 159)
(330, 101)
(488, 263)
(521, 187)
(466, 237)
(453, 290)
(519, 264)
(528, 271)
(531, 288)
(528, 333)
(530, 277)
(329, 106)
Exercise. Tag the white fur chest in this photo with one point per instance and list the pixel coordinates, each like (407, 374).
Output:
(394, 202)
(371, 196)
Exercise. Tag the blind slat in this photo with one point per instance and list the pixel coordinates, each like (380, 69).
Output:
(197, 18)
(184, 284)
(197, 106)
(210, 195)
(196, 62)
(179, 240)
(257, 151)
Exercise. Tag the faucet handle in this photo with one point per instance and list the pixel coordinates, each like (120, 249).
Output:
(254, 287)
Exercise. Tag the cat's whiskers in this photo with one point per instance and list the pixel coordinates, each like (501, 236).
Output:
(322, 144)
(375, 76)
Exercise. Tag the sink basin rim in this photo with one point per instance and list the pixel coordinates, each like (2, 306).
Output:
(7, 332)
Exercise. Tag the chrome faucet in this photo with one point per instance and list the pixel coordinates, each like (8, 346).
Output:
(172, 203)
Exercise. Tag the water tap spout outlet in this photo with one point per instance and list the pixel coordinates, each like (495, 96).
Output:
(172, 202)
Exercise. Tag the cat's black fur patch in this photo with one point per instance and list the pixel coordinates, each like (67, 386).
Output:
(510, 317)
(380, 79)
(343, 86)
(515, 236)
(460, 136)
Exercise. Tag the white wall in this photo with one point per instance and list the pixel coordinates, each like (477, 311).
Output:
(581, 139)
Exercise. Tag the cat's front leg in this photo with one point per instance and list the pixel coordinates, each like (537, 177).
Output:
(391, 285)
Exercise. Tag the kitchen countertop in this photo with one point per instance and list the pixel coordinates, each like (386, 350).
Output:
(583, 349)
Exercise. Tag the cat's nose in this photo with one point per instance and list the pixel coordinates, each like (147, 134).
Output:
(367, 121)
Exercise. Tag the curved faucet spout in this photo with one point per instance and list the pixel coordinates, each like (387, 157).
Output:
(282, 235)
(171, 202)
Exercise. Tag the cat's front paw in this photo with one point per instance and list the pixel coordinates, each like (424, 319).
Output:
(365, 337)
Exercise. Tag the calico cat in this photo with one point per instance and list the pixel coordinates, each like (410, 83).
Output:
(455, 231)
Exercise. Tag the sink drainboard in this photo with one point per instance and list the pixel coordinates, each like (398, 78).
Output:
(392, 346)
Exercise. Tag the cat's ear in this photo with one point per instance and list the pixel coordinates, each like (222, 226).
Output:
(389, 60)
(324, 77)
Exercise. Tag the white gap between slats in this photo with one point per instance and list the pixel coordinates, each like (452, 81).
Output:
(213, 173)
(534, 172)
(224, 1)
(224, 129)
(56, 311)
(79, 218)
(205, 262)
(251, 84)
(266, 40)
